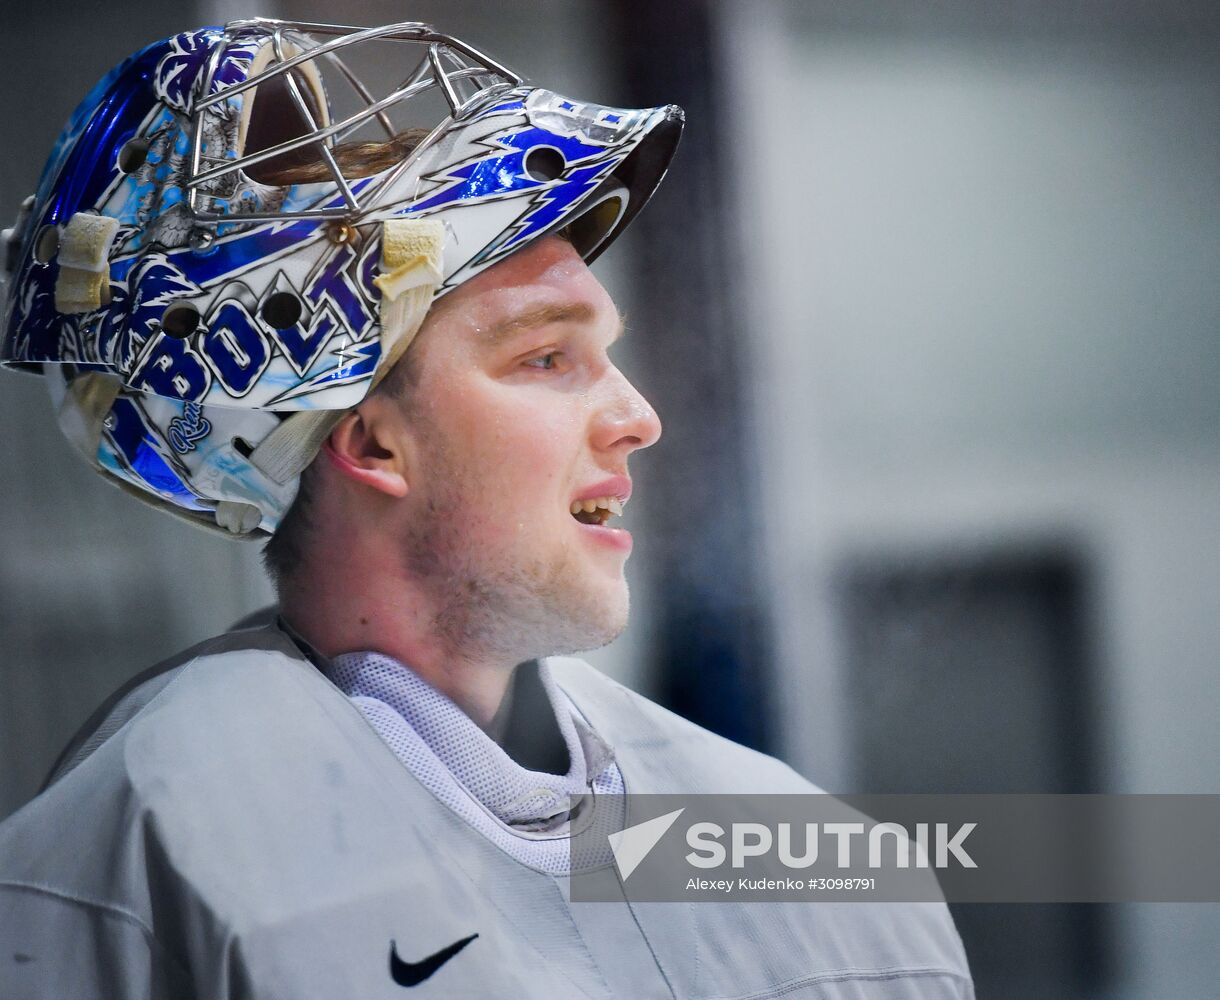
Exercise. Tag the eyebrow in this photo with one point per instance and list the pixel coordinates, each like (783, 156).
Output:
(545, 315)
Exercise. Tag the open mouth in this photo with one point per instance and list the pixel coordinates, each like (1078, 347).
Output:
(596, 510)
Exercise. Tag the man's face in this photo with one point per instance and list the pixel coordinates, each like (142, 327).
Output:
(514, 414)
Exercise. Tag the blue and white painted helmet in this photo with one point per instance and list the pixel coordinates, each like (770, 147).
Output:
(203, 324)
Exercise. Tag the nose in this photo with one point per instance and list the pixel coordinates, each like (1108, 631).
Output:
(627, 420)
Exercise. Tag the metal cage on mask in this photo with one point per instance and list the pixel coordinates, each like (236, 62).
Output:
(202, 328)
(471, 78)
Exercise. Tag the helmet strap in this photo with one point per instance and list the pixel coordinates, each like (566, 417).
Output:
(411, 264)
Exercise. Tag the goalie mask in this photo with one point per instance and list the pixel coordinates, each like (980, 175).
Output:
(211, 272)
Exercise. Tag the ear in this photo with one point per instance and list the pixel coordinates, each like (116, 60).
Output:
(367, 448)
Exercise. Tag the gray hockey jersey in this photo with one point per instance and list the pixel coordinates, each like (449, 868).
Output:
(233, 827)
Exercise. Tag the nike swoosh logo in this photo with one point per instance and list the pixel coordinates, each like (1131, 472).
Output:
(414, 973)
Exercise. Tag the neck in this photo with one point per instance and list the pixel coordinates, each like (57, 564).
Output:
(337, 612)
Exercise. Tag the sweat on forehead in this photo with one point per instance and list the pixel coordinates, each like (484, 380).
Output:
(543, 284)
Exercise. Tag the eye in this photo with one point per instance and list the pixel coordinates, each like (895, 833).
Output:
(544, 361)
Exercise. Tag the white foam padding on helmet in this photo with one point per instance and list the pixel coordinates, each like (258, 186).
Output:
(84, 262)
(236, 517)
(412, 266)
(412, 254)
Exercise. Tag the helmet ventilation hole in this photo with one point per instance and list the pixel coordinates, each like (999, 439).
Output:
(282, 310)
(544, 163)
(46, 245)
(133, 155)
(243, 447)
(180, 320)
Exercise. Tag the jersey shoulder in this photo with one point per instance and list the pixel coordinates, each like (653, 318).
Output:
(224, 655)
(911, 948)
(673, 753)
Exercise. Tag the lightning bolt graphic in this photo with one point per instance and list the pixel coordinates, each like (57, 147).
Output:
(553, 203)
(356, 362)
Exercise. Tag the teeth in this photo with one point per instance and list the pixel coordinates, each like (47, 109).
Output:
(613, 504)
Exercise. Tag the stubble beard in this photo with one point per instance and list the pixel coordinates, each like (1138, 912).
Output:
(501, 602)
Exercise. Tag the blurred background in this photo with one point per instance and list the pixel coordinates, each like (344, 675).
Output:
(930, 308)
